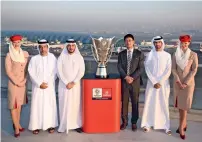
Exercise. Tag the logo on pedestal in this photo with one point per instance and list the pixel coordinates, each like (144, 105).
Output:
(102, 94)
(106, 93)
(97, 92)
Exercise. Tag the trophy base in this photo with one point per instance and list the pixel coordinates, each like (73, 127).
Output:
(101, 77)
(101, 72)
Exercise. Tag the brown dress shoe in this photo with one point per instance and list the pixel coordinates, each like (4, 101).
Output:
(134, 127)
(123, 126)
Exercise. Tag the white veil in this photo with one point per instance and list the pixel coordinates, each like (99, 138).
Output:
(181, 57)
(49, 56)
(65, 52)
(15, 55)
(43, 40)
(153, 52)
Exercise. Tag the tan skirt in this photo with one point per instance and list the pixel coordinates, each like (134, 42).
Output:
(17, 96)
(183, 98)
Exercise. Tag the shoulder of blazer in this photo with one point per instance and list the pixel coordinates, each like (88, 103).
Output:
(138, 52)
(123, 52)
(26, 54)
(193, 53)
(8, 55)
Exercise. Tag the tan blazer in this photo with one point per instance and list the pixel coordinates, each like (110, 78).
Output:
(17, 74)
(183, 98)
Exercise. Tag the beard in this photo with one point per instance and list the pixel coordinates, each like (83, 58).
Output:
(71, 51)
(43, 53)
(158, 47)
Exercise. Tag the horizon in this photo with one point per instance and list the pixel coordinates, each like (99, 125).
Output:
(118, 17)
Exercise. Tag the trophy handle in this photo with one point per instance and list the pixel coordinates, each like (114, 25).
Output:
(109, 55)
(94, 52)
(111, 49)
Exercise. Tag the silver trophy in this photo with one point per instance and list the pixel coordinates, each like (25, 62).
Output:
(102, 50)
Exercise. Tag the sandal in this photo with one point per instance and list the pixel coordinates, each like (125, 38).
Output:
(35, 132)
(51, 130)
(145, 129)
(168, 132)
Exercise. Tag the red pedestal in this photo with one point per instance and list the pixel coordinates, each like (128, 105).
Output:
(101, 105)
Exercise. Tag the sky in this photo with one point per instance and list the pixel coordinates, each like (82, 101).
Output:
(101, 16)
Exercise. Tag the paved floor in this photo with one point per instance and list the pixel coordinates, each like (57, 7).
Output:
(193, 133)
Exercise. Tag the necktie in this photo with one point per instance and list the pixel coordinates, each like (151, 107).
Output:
(129, 62)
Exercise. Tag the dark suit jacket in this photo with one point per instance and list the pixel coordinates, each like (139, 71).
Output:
(137, 65)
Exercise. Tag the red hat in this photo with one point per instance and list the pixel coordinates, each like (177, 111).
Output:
(15, 37)
(185, 38)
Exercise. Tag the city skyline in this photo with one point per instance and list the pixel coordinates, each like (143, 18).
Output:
(101, 16)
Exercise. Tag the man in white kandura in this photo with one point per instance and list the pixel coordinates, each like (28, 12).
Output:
(158, 70)
(43, 73)
(71, 69)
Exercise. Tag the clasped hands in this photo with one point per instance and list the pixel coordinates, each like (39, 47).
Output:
(70, 85)
(44, 85)
(157, 85)
(181, 85)
(21, 84)
(129, 79)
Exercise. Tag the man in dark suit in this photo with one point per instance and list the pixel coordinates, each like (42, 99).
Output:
(130, 66)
